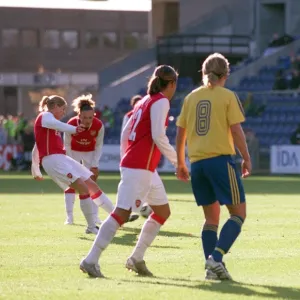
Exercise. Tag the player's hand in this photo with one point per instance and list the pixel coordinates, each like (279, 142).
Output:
(182, 173)
(38, 178)
(95, 172)
(246, 168)
(80, 128)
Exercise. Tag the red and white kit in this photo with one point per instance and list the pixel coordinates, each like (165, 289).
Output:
(50, 152)
(85, 146)
(143, 141)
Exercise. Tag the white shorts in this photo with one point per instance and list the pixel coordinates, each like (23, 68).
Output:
(138, 186)
(85, 158)
(64, 170)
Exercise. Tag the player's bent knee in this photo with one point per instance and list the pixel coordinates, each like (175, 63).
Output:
(238, 210)
(159, 219)
(162, 211)
(94, 178)
(121, 215)
(92, 186)
(69, 191)
(212, 213)
(80, 186)
(212, 220)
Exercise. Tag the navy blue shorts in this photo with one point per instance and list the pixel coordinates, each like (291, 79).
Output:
(216, 179)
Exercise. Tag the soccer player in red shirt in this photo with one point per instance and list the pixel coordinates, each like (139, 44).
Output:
(85, 148)
(143, 141)
(49, 151)
(133, 101)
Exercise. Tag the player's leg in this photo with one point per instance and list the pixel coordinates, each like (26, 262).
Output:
(69, 205)
(230, 192)
(133, 186)
(70, 195)
(86, 204)
(209, 234)
(205, 197)
(87, 160)
(157, 199)
(99, 197)
(107, 231)
(102, 200)
(67, 172)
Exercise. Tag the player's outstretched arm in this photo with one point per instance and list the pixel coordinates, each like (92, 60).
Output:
(124, 137)
(35, 165)
(158, 114)
(48, 121)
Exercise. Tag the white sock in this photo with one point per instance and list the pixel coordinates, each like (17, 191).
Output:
(86, 205)
(69, 202)
(103, 201)
(147, 236)
(95, 211)
(105, 235)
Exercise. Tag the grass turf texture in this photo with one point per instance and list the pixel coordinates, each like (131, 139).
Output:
(39, 256)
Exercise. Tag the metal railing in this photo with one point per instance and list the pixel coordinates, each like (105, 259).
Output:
(195, 43)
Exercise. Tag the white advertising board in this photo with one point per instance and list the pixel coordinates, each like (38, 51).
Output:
(285, 159)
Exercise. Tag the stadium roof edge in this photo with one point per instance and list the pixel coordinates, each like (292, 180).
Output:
(132, 5)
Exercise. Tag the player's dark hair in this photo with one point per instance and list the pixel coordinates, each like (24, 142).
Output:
(215, 67)
(83, 103)
(160, 79)
(135, 99)
(49, 102)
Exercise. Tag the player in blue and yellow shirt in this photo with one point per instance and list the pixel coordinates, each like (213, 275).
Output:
(210, 123)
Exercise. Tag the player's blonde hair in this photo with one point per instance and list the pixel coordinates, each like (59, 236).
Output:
(215, 67)
(83, 103)
(160, 79)
(48, 102)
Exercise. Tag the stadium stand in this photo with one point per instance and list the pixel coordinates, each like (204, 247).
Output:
(273, 116)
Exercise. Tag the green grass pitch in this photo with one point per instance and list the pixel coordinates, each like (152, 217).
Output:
(39, 256)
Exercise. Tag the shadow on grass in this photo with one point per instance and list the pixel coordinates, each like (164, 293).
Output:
(165, 233)
(253, 185)
(130, 236)
(227, 288)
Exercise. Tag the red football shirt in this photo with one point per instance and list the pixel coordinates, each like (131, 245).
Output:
(48, 141)
(141, 152)
(85, 141)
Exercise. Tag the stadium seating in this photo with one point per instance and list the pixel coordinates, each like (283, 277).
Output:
(266, 77)
(274, 125)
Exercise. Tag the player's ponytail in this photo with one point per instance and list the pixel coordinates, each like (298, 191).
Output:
(48, 102)
(211, 78)
(154, 86)
(214, 68)
(160, 79)
(43, 104)
(83, 103)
